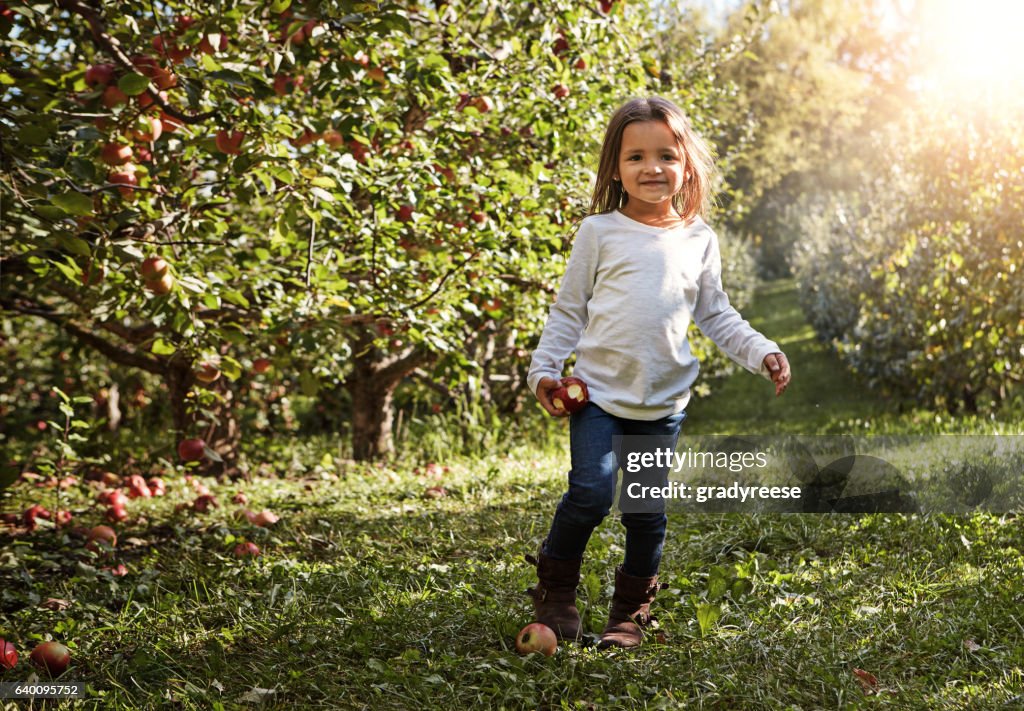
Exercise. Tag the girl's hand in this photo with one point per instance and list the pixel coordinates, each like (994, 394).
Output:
(544, 389)
(778, 368)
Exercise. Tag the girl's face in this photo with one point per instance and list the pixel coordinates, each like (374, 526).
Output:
(651, 164)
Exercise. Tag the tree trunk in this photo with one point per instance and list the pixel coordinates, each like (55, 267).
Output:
(372, 419)
(371, 385)
(223, 435)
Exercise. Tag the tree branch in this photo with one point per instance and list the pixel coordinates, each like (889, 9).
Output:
(112, 45)
(118, 354)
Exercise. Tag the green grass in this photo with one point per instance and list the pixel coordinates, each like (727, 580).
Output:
(370, 595)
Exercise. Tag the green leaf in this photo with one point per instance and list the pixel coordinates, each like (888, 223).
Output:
(229, 76)
(162, 347)
(33, 134)
(75, 245)
(73, 203)
(322, 194)
(322, 181)
(309, 383)
(133, 84)
(707, 616)
(235, 298)
(280, 5)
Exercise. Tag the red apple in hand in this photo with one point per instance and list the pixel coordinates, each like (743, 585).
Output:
(54, 657)
(8, 655)
(571, 396)
(536, 637)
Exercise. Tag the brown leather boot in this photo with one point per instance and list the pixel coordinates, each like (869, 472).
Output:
(631, 610)
(554, 597)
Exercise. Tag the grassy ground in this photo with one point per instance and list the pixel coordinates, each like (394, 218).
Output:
(371, 594)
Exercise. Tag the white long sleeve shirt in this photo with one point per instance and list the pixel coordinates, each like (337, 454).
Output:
(628, 296)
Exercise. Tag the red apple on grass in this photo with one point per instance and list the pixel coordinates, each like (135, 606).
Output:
(138, 488)
(571, 396)
(116, 514)
(33, 514)
(8, 655)
(113, 497)
(100, 537)
(204, 503)
(264, 518)
(192, 450)
(247, 549)
(54, 657)
(536, 637)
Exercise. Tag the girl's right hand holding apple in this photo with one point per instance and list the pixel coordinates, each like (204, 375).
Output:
(545, 388)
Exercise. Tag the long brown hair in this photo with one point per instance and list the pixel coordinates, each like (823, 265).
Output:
(696, 195)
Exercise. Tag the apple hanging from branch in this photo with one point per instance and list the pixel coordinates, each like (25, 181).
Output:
(192, 450)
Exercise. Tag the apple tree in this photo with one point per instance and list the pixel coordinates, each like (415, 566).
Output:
(353, 191)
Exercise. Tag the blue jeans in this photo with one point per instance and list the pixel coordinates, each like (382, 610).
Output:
(595, 467)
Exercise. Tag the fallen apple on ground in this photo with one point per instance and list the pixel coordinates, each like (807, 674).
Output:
(265, 518)
(248, 548)
(54, 657)
(104, 534)
(115, 514)
(8, 654)
(204, 503)
(536, 637)
(571, 396)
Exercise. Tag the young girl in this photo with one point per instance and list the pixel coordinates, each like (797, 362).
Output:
(643, 265)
